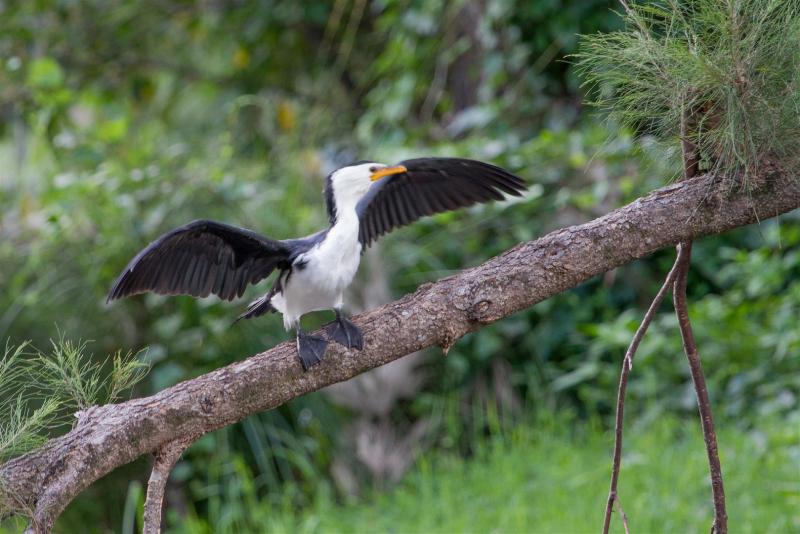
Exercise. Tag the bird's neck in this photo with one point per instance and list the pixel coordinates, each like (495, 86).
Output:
(345, 225)
(341, 240)
(344, 206)
(345, 217)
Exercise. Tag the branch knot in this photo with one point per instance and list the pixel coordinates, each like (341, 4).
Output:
(480, 312)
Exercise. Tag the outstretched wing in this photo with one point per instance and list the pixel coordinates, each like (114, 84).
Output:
(200, 258)
(430, 185)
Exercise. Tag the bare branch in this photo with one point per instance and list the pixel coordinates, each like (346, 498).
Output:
(163, 462)
(622, 513)
(627, 366)
(720, 525)
(47, 479)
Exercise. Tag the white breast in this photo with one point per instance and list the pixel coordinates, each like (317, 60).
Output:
(329, 269)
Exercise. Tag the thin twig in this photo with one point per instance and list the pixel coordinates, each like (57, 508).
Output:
(622, 513)
(627, 366)
(164, 460)
(720, 525)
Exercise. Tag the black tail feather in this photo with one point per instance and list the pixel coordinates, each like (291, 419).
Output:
(260, 306)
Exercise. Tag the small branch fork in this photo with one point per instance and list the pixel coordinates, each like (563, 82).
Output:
(675, 280)
(163, 462)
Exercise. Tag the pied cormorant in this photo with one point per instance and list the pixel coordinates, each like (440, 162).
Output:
(364, 200)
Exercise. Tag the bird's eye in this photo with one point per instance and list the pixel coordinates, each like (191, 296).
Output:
(373, 169)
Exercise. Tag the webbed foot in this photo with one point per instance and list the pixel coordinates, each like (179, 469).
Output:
(345, 333)
(310, 349)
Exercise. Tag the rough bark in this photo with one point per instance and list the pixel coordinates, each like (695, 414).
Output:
(106, 437)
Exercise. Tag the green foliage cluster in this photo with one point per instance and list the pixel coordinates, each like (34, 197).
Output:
(731, 67)
(67, 369)
(20, 428)
(42, 391)
(123, 119)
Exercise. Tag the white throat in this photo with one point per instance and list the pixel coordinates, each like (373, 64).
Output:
(350, 184)
(344, 233)
(346, 197)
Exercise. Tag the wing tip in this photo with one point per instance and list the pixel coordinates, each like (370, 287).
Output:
(115, 292)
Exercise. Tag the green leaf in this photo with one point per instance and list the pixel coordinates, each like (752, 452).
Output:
(45, 73)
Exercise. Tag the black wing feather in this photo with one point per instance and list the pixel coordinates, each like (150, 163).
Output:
(201, 258)
(430, 185)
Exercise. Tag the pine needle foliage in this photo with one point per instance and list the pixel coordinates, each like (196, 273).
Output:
(21, 426)
(40, 392)
(732, 66)
(83, 382)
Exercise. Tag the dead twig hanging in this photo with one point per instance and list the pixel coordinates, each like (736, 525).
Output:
(627, 366)
(720, 525)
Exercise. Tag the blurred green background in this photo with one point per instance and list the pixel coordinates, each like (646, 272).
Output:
(120, 120)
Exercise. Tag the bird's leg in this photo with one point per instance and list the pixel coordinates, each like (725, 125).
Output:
(310, 349)
(344, 332)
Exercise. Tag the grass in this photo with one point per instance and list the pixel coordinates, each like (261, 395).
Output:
(552, 476)
(547, 476)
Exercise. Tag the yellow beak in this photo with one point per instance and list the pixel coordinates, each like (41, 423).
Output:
(387, 171)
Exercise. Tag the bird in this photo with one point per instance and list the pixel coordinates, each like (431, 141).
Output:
(364, 201)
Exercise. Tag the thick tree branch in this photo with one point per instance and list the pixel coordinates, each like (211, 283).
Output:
(48, 478)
